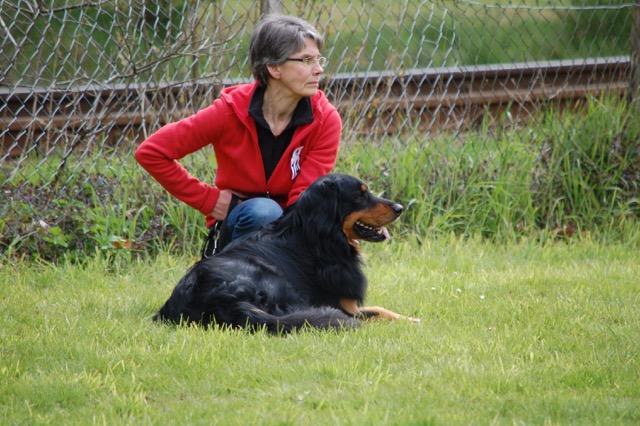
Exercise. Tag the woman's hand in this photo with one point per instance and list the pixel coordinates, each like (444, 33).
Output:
(221, 208)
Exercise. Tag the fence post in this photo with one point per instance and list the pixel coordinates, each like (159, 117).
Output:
(270, 6)
(633, 96)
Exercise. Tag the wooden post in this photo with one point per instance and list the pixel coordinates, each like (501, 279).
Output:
(271, 6)
(633, 96)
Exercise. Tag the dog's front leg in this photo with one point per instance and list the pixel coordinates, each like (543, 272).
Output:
(377, 312)
(352, 307)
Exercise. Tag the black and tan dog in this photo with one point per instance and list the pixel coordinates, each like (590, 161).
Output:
(302, 270)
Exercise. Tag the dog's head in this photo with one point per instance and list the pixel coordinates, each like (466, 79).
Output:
(339, 200)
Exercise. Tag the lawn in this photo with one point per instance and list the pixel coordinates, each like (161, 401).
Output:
(518, 333)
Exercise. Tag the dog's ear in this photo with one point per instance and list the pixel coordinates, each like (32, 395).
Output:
(317, 208)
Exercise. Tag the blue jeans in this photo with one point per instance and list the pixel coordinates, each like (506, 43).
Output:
(250, 215)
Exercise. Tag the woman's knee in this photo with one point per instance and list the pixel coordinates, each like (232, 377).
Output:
(267, 210)
(250, 215)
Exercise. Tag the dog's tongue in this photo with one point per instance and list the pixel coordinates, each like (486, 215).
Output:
(386, 234)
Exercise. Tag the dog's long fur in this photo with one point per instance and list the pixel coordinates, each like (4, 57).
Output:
(302, 270)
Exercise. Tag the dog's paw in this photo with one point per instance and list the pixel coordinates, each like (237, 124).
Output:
(411, 319)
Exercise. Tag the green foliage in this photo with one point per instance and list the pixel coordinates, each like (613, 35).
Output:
(131, 36)
(562, 174)
(524, 333)
(97, 213)
(489, 35)
(565, 174)
(588, 170)
(596, 30)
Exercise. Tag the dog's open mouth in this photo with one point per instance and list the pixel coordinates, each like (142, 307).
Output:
(370, 233)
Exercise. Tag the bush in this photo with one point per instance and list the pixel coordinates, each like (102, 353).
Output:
(96, 213)
(567, 173)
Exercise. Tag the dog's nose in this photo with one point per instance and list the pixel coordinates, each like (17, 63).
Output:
(397, 208)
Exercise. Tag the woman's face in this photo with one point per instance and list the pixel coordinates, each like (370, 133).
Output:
(300, 78)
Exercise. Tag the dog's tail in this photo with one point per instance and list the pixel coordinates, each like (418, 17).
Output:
(322, 318)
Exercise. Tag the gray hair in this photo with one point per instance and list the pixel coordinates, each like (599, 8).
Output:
(275, 38)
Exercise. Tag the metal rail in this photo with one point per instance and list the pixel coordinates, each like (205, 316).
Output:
(428, 96)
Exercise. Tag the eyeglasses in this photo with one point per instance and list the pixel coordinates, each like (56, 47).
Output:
(311, 60)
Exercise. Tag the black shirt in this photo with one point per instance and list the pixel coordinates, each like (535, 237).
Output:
(272, 147)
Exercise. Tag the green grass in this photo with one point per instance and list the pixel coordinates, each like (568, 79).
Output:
(521, 333)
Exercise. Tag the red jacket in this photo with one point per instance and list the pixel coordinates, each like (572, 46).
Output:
(228, 127)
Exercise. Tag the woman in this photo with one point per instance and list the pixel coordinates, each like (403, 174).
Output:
(271, 138)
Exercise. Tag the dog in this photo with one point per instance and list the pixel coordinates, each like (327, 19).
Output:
(303, 270)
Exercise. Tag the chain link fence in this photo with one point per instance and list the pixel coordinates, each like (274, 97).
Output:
(82, 82)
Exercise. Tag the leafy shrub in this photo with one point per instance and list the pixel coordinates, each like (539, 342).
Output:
(95, 213)
(565, 173)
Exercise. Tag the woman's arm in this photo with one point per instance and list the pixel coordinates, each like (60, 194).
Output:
(159, 155)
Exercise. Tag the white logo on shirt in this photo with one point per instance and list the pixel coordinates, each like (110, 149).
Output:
(295, 162)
